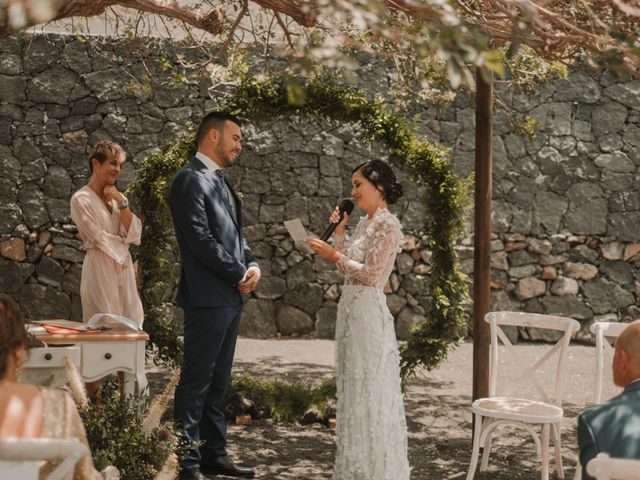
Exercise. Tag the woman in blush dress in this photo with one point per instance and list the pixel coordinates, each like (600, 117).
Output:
(371, 427)
(107, 228)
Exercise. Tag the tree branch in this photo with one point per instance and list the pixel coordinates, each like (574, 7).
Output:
(211, 21)
(227, 42)
(555, 29)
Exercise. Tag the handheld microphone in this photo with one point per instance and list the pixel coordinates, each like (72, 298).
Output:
(346, 206)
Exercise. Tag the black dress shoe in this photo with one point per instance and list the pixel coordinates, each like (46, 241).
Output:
(224, 466)
(191, 474)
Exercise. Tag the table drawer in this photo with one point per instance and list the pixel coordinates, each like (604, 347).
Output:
(99, 359)
(52, 357)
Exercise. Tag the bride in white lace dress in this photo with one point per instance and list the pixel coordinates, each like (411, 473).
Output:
(371, 426)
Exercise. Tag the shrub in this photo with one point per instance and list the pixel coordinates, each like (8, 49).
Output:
(283, 401)
(116, 436)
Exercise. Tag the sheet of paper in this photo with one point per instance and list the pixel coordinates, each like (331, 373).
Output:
(296, 230)
(33, 328)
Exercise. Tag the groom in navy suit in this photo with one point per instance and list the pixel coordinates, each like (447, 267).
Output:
(216, 267)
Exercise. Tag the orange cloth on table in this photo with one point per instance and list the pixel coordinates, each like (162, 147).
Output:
(108, 283)
(68, 330)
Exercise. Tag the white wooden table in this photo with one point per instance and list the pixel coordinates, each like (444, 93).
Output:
(96, 354)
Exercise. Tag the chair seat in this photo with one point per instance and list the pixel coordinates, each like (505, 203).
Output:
(519, 409)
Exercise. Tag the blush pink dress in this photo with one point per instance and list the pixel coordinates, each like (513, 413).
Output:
(108, 283)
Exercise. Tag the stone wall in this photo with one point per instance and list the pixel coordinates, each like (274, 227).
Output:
(566, 214)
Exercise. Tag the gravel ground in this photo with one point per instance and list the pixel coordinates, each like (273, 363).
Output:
(437, 407)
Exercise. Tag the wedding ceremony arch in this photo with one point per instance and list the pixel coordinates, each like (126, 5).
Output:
(264, 100)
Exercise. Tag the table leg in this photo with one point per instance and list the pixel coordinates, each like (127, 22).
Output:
(129, 383)
(141, 377)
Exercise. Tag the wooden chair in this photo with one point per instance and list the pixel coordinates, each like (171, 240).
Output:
(604, 467)
(495, 411)
(20, 458)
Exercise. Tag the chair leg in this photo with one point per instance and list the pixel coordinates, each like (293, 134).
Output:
(544, 454)
(557, 445)
(486, 451)
(578, 474)
(475, 452)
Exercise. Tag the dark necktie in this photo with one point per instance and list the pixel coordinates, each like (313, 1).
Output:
(225, 188)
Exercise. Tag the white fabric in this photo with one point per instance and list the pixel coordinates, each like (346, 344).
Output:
(208, 162)
(371, 427)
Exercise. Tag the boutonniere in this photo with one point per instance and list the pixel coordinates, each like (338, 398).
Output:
(236, 188)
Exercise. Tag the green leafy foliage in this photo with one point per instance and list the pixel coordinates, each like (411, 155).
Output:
(260, 100)
(116, 437)
(526, 127)
(149, 189)
(528, 71)
(285, 401)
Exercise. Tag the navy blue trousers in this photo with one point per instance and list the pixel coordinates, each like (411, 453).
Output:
(209, 344)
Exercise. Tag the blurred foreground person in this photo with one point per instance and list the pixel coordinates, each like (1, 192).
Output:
(28, 411)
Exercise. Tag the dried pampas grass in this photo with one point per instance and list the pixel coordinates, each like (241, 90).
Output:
(169, 469)
(76, 384)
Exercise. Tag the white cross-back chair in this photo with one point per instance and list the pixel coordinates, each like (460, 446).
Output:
(495, 411)
(601, 330)
(604, 467)
(604, 350)
(20, 458)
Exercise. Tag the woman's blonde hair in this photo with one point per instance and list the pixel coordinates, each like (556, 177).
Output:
(105, 150)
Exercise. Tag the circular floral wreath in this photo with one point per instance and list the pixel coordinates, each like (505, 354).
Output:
(429, 165)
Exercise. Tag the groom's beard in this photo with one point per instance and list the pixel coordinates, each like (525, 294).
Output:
(227, 158)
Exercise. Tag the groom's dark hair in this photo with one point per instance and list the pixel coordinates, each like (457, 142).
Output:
(214, 120)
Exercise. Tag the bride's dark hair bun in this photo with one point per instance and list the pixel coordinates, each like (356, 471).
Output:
(394, 194)
(380, 174)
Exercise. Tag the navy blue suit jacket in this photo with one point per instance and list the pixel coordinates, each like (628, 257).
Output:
(612, 427)
(214, 255)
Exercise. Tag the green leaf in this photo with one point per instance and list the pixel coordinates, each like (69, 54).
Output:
(296, 93)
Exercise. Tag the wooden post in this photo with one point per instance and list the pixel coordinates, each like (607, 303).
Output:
(482, 235)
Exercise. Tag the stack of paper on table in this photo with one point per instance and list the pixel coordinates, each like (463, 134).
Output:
(110, 320)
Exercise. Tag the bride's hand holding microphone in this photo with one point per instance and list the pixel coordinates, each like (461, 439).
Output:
(335, 218)
(321, 247)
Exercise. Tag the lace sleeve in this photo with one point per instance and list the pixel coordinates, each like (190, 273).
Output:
(339, 241)
(384, 243)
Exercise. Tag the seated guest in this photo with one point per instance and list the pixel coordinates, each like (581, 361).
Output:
(27, 411)
(613, 427)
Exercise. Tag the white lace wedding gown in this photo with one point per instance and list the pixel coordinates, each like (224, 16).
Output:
(370, 426)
